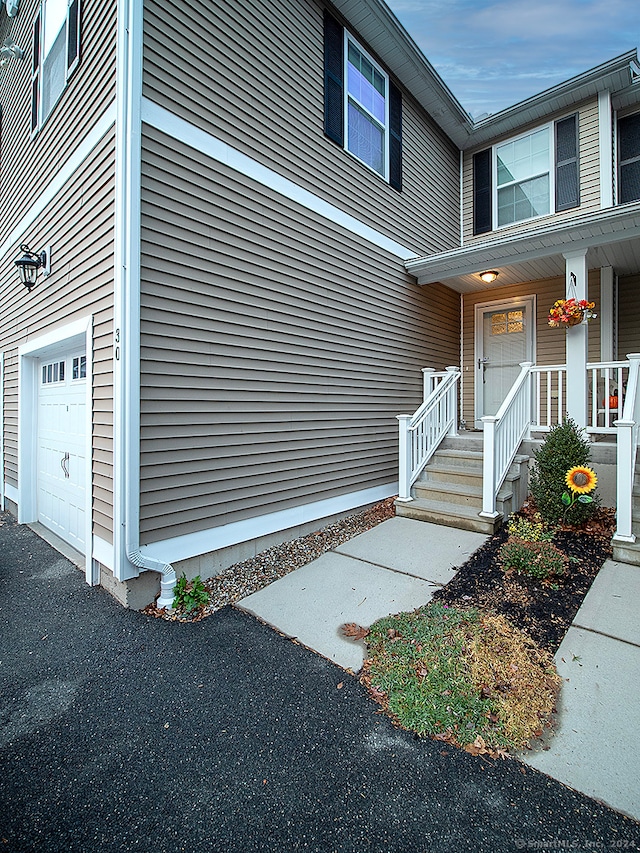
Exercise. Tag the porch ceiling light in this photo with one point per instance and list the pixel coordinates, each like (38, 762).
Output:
(489, 276)
(29, 264)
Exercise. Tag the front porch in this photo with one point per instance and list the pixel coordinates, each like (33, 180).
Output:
(473, 480)
(575, 371)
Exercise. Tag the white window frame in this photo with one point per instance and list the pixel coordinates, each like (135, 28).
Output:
(68, 69)
(348, 38)
(552, 176)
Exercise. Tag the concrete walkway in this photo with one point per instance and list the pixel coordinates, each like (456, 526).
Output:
(123, 733)
(397, 566)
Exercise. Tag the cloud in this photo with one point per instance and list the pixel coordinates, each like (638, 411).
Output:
(493, 54)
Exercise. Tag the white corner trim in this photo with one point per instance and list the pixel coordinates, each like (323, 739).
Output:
(605, 140)
(211, 146)
(194, 544)
(63, 175)
(11, 493)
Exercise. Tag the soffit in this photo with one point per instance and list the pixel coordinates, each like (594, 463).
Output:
(611, 238)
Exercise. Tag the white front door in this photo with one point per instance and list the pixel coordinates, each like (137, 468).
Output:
(61, 447)
(504, 339)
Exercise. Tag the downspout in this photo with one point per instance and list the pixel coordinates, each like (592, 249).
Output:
(127, 307)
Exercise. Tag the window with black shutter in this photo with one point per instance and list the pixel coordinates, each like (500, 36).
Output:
(56, 54)
(629, 159)
(362, 107)
(528, 176)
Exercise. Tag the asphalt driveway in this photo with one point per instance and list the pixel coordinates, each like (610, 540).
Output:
(119, 732)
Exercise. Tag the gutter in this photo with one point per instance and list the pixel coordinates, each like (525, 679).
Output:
(128, 554)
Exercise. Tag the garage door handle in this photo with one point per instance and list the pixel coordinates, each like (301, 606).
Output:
(63, 465)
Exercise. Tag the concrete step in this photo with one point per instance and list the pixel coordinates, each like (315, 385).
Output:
(442, 472)
(450, 492)
(468, 459)
(463, 442)
(449, 515)
(626, 552)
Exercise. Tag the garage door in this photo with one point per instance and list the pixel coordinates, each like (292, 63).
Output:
(61, 447)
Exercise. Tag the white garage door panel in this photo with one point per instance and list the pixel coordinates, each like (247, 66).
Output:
(61, 456)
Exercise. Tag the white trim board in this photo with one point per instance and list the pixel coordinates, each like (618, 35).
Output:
(211, 146)
(205, 541)
(11, 493)
(64, 174)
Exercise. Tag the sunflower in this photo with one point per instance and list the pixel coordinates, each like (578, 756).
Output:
(581, 479)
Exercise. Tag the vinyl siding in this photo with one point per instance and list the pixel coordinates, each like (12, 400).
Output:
(29, 164)
(79, 227)
(276, 349)
(550, 342)
(628, 315)
(250, 72)
(589, 154)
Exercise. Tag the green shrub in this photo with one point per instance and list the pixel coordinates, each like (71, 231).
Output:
(189, 595)
(564, 447)
(530, 530)
(538, 559)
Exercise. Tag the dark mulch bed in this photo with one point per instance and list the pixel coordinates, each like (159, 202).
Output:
(541, 610)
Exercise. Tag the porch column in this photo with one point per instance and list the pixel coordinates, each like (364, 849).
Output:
(606, 313)
(576, 285)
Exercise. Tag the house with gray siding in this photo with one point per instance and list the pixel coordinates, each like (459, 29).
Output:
(257, 232)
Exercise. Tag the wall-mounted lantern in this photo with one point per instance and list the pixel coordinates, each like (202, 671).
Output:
(29, 264)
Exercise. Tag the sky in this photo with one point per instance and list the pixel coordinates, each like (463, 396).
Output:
(494, 54)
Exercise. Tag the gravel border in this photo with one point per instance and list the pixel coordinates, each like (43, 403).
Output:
(249, 576)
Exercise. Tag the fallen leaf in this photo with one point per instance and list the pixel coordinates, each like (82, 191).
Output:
(357, 632)
(341, 685)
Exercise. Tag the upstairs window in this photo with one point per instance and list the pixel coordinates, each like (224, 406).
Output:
(629, 159)
(56, 53)
(523, 188)
(363, 109)
(529, 176)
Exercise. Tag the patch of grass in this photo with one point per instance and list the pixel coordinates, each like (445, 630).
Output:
(460, 675)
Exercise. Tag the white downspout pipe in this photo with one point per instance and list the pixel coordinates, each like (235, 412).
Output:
(127, 307)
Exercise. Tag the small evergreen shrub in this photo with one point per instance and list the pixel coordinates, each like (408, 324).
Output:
(538, 559)
(564, 448)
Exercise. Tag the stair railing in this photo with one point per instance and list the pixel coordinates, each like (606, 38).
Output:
(420, 434)
(503, 434)
(627, 443)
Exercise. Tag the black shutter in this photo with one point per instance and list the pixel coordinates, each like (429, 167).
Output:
(73, 35)
(35, 75)
(482, 192)
(333, 82)
(567, 165)
(395, 137)
(629, 159)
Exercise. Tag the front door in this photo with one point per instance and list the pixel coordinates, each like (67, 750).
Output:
(504, 338)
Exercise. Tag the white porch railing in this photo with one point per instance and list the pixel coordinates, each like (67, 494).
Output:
(627, 428)
(550, 394)
(421, 433)
(503, 434)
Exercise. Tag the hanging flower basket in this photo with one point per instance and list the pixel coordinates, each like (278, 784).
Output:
(570, 312)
